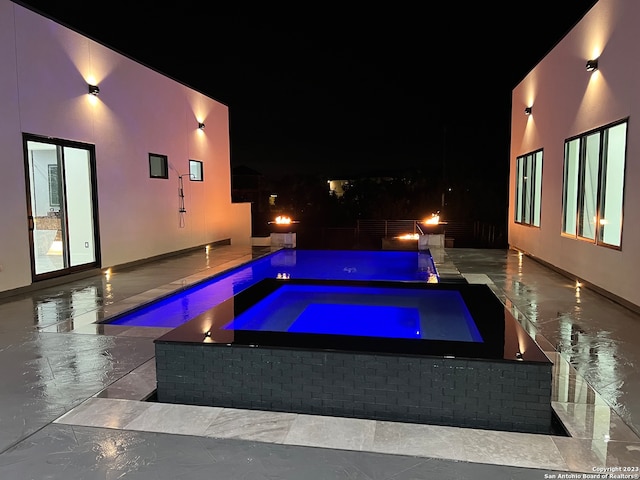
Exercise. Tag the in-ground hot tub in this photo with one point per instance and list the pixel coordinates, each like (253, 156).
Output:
(447, 354)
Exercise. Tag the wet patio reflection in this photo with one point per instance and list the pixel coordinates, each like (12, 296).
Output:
(62, 369)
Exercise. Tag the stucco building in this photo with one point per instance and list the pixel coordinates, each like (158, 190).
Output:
(105, 161)
(575, 155)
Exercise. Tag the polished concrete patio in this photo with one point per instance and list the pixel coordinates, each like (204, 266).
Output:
(72, 403)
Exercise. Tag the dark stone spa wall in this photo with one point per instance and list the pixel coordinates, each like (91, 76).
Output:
(493, 394)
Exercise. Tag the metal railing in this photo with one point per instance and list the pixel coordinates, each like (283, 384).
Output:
(386, 228)
(368, 234)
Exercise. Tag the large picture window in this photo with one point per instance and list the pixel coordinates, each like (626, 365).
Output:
(593, 191)
(528, 188)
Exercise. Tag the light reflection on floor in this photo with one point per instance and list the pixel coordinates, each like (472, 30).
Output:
(100, 374)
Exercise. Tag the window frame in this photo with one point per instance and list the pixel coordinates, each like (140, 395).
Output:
(164, 166)
(528, 189)
(575, 176)
(54, 185)
(199, 178)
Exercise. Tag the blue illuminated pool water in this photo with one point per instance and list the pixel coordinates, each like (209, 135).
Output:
(362, 311)
(404, 266)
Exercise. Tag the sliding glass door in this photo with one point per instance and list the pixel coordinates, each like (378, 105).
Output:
(61, 206)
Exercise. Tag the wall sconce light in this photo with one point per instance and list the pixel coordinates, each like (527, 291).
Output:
(592, 65)
(527, 110)
(201, 125)
(94, 90)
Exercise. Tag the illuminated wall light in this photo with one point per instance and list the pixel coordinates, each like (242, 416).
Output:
(592, 65)
(527, 110)
(201, 125)
(94, 90)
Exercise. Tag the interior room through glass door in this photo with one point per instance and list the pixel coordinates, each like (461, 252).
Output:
(61, 207)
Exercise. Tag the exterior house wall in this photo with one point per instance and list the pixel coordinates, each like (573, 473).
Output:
(568, 101)
(43, 91)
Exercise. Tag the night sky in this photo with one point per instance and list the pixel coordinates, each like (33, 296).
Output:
(424, 91)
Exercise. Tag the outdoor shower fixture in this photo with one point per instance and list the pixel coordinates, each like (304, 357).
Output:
(181, 208)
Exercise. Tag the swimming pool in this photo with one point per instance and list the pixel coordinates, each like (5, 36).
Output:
(383, 310)
(288, 345)
(174, 310)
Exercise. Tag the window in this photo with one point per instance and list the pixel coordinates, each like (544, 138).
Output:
(158, 166)
(528, 188)
(593, 188)
(195, 171)
(54, 187)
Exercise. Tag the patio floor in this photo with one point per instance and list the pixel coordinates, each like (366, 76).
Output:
(73, 403)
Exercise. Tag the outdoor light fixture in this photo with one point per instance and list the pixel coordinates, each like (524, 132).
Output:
(94, 90)
(201, 125)
(527, 111)
(592, 65)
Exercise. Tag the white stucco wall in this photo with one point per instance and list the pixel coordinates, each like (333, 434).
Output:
(43, 91)
(568, 101)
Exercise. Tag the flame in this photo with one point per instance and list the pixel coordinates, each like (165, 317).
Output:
(434, 220)
(282, 220)
(408, 236)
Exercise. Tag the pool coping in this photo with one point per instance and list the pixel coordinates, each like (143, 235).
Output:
(510, 344)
